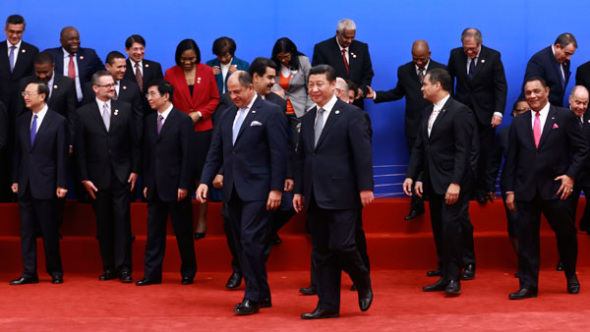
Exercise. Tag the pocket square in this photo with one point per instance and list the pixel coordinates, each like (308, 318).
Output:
(555, 126)
(255, 124)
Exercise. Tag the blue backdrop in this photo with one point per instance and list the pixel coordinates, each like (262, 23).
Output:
(516, 28)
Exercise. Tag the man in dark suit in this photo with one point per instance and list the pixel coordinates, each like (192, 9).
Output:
(583, 75)
(552, 64)
(349, 57)
(168, 178)
(108, 153)
(73, 61)
(409, 83)
(441, 165)
(250, 142)
(578, 101)
(39, 178)
(16, 62)
(334, 172)
(546, 152)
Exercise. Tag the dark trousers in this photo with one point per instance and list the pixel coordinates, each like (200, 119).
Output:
(335, 249)
(416, 203)
(250, 224)
(585, 220)
(231, 244)
(560, 216)
(43, 214)
(485, 177)
(182, 222)
(113, 225)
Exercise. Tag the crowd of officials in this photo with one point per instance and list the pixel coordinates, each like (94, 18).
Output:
(280, 135)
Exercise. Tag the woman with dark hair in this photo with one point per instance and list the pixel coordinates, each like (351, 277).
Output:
(225, 62)
(195, 93)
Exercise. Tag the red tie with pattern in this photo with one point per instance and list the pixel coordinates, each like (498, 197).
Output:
(345, 61)
(72, 68)
(138, 77)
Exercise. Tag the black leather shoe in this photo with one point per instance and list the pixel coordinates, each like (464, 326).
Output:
(438, 286)
(187, 281)
(57, 280)
(453, 288)
(413, 215)
(320, 313)
(311, 290)
(365, 299)
(275, 239)
(234, 281)
(246, 307)
(468, 272)
(25, 280)
(523, 293)
(199, 236)
(573, 285)
(265, 303)
(353, 288)
(433, 273)
(147, 282)
(125, 277)
(107, 275)
(481, 198)
(559, 266)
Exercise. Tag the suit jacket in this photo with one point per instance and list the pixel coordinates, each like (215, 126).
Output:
(167, 161)
(359, 63)
(257, 163)
(40, 165)
(297, 91)
(486, 92)
(204, 99)
(544, 65)
(583, 179)
(341, 165)
(277, 100)
(409, 86)
(3, 129)
(100, 152)
(530, 171)
(9, 81)
(151, 71)
(583, 75)
(239, 63)
(445, 156)
(62, 98)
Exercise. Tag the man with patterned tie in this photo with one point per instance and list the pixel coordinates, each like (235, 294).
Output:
(39, 179)
(546, 152)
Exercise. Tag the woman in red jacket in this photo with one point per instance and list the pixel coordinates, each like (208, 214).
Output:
(195, 93)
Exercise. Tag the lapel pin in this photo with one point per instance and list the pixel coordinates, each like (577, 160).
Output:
(443, 110)
(199, 80)
(146, 65)
(483, 60)
(116, 112)
(55, 86)
(253, 112)
(24, 51)
(124, 87)
(81, 57)
(337, 112)
(588, 120)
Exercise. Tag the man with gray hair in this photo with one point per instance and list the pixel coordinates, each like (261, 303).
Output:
(578, 101)
(349, 57)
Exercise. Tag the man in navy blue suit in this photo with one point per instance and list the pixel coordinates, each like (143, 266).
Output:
(250, 142)
(39, 178)
(334, 172)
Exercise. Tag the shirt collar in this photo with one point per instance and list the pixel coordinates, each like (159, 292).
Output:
(17, 44)
(330, 104)
(100, 104)
(543, 110)
(133, 63)
(441, 103)
(66, 53)
(425, 67)
(166, 112)
(341, 48)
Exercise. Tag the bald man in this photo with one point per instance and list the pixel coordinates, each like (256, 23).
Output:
(578, 101)
(409, 83)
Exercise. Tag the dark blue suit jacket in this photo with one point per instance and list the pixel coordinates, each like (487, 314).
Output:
(544, 65)
(88, 62)
(40, 165)
(341, 165)
(9, 81)
(241, 64)
(257, 163)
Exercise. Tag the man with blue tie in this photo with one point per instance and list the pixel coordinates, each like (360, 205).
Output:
(39, 179)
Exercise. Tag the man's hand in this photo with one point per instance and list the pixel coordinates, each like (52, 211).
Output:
(274, 199)
(217, 181)
(496, 121)
(14, 187)
(407, 185)
(202, 192)
(144, 192)
(510, 202)
(90, 188)
(367, 197)
(419, 188)
(71, 150)
(298, 202)
(288, 185)
(360, 94)
(182, 194)
(132, 179)
(61, 192)
(452, 195)
(370, 94)
(567, 186)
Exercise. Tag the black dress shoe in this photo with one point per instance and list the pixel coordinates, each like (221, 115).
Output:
(125, 277)
(187, 281)
(234, 281)
(438, 286)
(320, 313)
(365, 299)
(481, 198)
(468, 272)
(311, 290)
(275, 239)
(147, 282)
(453, 288)
(413, 215)
(353, 288)
(25, 280)
(107, 275)
(265, 303)
(246, 307)
(57, 280)
(433, 273)
(516, 275)
(199, 236)
(523, 293)
(559, 266)
(573, 285)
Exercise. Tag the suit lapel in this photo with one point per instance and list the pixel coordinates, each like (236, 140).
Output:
(440, 117)
(97, 114)
(44, 124)
(330, 121)
(252, 114)
(166, 125)
(4, 56)
(481, 61)
(548, 128)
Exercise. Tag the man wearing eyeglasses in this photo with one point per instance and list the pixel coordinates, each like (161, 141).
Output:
(108, 155)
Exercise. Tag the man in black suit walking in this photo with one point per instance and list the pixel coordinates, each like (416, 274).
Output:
(349, 57)
(108, 153)
(409, 84)
(39, 178)
(546, 152)
(168, 178)
(441, 157)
